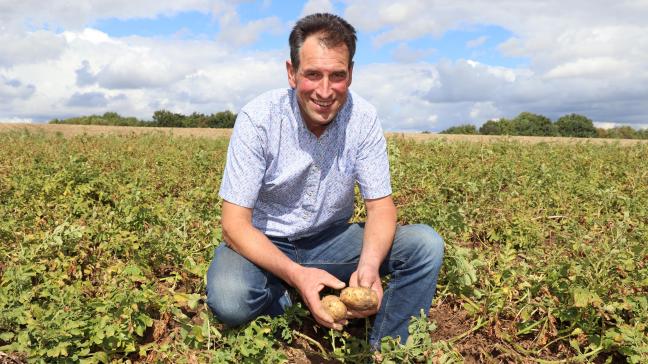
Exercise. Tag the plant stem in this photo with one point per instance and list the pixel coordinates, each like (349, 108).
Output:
(312, 341)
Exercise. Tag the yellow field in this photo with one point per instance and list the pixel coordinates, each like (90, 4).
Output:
(72, 130)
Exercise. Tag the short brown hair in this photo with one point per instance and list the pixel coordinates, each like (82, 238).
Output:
(335, 31)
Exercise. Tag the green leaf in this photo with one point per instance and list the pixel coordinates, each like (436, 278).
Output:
(6, 336)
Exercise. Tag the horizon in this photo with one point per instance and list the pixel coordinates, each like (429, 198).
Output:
(425, 68)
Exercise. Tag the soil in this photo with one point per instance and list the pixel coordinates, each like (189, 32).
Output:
(11, 358)
(73, 130)
(453, 323)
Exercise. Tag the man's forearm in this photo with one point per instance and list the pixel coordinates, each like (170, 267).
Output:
(252, 244)
(378, 235)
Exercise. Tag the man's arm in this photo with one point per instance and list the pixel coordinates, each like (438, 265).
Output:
(245, 239)
(377, 240)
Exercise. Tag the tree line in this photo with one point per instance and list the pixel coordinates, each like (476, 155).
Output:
(161, 118)
(529, 124)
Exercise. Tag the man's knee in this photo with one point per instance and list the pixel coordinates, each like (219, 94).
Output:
(228, 301)
(423, 243)
(231, 282)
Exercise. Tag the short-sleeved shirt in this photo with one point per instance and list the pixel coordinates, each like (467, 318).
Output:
(296, 183)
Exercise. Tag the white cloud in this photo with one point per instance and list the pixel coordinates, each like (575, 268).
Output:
(84, 75)
(15, 120)
(28, 47)
(479, 41)
(582, 56)
(406, 54)
(610, 125)
(237, 34)
(398, 94)
(136, 76)
(426, 96)
(91, 36)
(228, 84)
(88, 99)
(134, 71)
(482, 111)
(317, 6)
(462, 81)
(589, 67)
(11, 89)
(76, 15)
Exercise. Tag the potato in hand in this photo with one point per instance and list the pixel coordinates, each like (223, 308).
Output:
(359, 298)
(334, 307)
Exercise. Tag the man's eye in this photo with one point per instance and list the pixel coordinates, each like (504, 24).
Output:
(338, 76)
(312, 75)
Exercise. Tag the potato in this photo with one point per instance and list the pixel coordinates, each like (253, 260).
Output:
(359, 298)
(334, 307)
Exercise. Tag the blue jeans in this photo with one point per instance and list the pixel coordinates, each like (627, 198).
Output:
(238, 291)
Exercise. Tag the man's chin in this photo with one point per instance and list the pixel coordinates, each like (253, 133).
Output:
(323, 120)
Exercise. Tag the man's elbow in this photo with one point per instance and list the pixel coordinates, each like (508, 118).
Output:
(393, 213)
(385, 209)
(228, 229)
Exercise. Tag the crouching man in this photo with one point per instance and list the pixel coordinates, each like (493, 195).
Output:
(288, 189)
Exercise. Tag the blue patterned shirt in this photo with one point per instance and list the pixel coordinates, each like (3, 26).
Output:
(297, 184)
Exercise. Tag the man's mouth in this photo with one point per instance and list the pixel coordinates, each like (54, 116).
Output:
(323, 103)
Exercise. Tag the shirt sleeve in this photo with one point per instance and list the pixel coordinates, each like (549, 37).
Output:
(372, 164)
(245, 164)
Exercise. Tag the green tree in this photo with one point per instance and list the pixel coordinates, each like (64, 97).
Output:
(195, 120)
(642, 133)
(497, 127)
(622, 132)
(108, 118)
(574, 125)
(223, 119)
(168, 119)
(531, 124)
(461, 129)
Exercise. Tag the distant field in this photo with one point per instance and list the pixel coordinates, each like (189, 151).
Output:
(72, 130)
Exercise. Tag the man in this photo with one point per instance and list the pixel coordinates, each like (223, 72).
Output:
(288, 191)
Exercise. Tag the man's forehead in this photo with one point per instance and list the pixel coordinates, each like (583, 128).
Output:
(315, 51)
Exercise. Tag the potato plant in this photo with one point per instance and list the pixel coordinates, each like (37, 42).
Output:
(105, 241)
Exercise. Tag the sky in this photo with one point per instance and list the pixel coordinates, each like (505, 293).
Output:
(425, 65)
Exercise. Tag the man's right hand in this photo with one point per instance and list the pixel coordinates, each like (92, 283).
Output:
(309, 282)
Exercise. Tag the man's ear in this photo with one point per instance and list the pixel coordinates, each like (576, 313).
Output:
(292, 75)
(350, 74)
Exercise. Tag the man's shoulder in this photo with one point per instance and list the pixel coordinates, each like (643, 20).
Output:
(361, 116)
(269, 102)
(361, 108)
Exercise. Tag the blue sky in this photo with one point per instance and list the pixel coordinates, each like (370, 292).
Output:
(425, 65)
(453, 44)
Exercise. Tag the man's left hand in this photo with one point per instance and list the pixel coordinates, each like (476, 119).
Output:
(369, 278)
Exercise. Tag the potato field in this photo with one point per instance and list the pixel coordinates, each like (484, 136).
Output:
(105, 241)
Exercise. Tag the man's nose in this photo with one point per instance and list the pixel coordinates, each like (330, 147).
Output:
(324, 90)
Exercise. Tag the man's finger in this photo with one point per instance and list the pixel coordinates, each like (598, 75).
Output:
(361, 314)
(333, 282)
(366, 283)
(327, 321)
(320, 314)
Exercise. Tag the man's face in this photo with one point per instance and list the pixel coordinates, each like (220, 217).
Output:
(321, 82)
